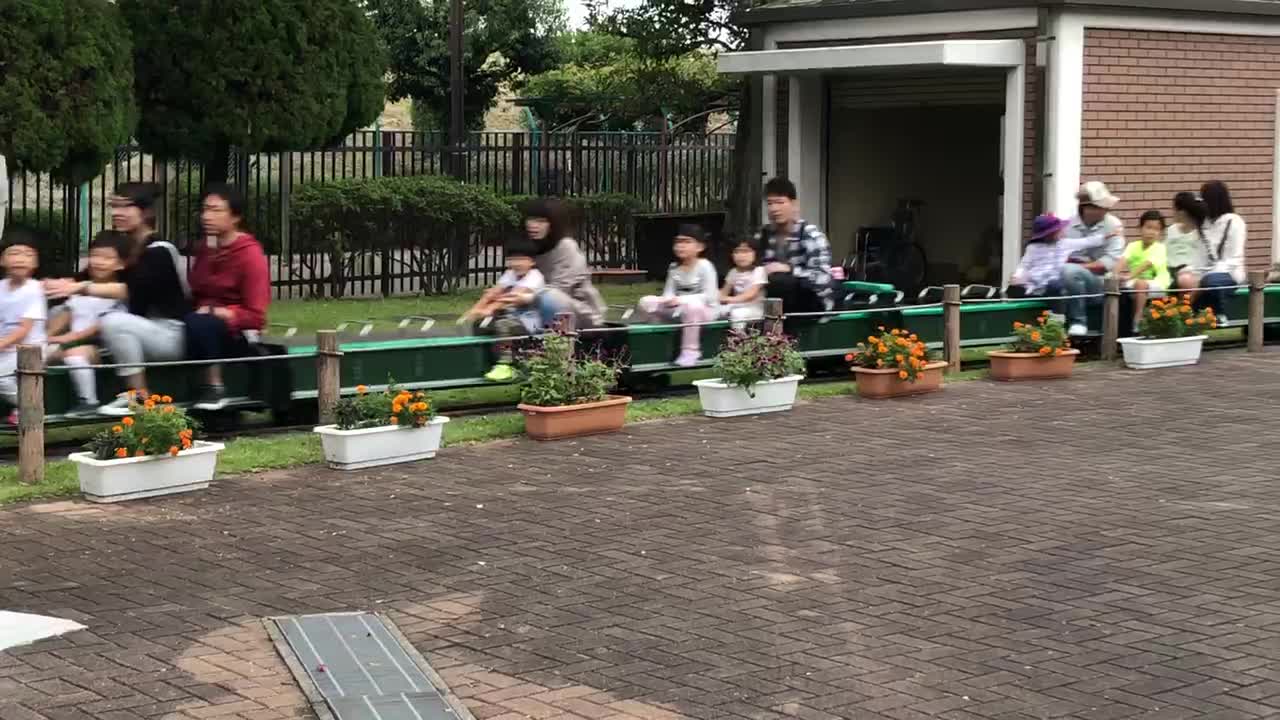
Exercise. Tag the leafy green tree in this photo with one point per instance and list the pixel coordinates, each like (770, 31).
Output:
(260, 75)
(504, 40)
(66, 86)
(630, 92)
(669, 28)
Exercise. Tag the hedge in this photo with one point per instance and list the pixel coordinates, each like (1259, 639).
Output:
(392, 211)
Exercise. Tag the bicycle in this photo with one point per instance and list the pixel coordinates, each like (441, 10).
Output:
(890, 253)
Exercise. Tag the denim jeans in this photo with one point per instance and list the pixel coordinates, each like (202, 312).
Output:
(1212, 296)
(551, 302)
(1076, 280)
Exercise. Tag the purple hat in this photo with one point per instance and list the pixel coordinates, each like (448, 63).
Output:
(1046, 225)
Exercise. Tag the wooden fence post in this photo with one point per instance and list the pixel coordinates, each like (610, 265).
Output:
(30, 414)
(1257, 308)
(1110, 316)
(951, 327)
(328, 374)
(773, 316)
(567, 323)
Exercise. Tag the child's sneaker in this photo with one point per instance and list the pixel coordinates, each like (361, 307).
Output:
(501, 372)
(13, 417)
(120, 406)
(212, 397)
(83, 410)
(688, 358)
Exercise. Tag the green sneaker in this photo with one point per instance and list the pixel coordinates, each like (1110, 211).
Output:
(501, 372)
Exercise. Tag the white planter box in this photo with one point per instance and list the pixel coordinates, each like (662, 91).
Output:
(1146, 354)
(384, 445)
(721, 400)
(139, 477)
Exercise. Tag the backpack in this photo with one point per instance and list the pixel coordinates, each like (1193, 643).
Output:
(179, 264)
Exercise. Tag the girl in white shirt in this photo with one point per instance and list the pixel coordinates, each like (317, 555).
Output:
(691, 293)
(742, 297)
(1225, 236)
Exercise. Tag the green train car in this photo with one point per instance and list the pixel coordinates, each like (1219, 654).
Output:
(287, 384)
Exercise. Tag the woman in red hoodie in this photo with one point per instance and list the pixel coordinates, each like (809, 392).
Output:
(230, 289)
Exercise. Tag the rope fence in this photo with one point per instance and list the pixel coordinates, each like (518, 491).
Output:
(328, 352)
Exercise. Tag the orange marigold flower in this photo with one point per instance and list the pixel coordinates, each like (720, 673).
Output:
(1189, 321)
(149, 405)
(173, 449)
(915, 362)
(396, 407)
(127, 421)
(871, 338)
(1045, 350)
(169, 409)
(121, 452)
(913, 337)
(1155, 315)
(1017, 325)
(362, 389)
(1035, 336)
(898, 358)
(395, 420)
(117, 429)
(902, 374)
(154, 398)
(166, 399)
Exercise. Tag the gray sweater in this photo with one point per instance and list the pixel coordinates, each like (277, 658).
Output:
(565, 269)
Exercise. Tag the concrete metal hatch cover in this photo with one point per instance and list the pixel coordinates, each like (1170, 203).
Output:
(358, 666)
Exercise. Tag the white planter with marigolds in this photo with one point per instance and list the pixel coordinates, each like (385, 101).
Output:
(759, 373)
(1171, 334)
(381, 428)
(150, 453)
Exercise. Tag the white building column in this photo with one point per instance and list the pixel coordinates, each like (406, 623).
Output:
(806, 145)
(1065, 123)
(1013, 161)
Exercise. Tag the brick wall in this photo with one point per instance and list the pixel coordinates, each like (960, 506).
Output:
(1164, 112)
(1034, 83)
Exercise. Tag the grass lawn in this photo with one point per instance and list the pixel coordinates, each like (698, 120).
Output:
(253, 454)
(311, 315)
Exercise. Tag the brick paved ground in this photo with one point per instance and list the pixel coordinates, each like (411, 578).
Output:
(1084, 549)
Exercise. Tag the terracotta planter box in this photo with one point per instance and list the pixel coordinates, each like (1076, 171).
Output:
(1007, 365)
(566, 421)
(878, 384)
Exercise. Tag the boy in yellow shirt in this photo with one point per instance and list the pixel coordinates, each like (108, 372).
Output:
(1144, 268)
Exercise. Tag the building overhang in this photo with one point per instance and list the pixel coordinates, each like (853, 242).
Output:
(919, 55)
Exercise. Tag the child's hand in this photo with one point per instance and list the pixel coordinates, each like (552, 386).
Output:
(671, 302)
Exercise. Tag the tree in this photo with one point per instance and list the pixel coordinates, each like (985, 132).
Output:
(66, 86)
(668, 28)
(504, 39)
(628, 92)
(260, 75)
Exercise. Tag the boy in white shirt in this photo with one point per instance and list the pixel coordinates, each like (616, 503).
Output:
(742, 297)
(510, 305)
(73, 333)
(22, 310)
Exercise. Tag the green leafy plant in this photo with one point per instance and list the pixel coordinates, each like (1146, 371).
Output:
(1169, 318)
(554, 376)
(750, 357)
(157, 427)
(1046, 336)
(892, 349)
(392, 406)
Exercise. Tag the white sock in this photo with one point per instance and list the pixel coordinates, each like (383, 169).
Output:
(83, 378)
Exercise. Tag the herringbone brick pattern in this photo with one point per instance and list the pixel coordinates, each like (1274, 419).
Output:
(1101, 548)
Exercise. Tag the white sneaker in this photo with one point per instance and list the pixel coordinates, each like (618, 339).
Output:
(118, 407)
(1223, 321)
(1077, 330)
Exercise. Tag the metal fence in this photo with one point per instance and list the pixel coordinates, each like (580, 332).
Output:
(684, 173)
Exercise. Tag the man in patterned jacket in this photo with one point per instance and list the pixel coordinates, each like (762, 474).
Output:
(797, 256)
